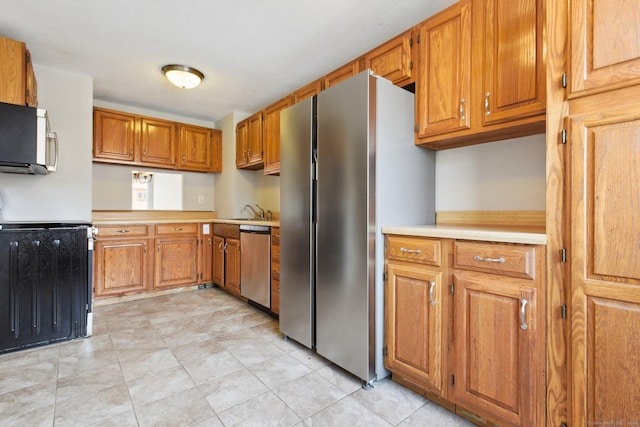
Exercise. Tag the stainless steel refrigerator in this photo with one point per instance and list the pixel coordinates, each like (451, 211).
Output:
(348, 167)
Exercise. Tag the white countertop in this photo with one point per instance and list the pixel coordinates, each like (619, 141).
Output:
(272, 223)
(470, 233)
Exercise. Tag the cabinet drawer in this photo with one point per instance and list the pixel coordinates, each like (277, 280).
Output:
(230, 231)
(123, 230)
(179, 228)
(499, 258)
(414, 249)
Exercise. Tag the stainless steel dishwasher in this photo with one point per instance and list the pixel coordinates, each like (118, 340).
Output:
(255, 264)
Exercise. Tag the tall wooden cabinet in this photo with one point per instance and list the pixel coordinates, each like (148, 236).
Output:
(604, 356)
(604, 201)
(275, 270)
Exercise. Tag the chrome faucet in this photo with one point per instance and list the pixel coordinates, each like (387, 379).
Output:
(255, 214)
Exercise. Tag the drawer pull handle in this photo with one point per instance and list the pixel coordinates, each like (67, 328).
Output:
(487, 111)
(479, 258)
(432, 289)
(123, 231)
(220, 248)
(410, 251)
(523, 314)
(177, 229)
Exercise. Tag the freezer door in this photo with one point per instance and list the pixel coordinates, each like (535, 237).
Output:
(345, 228)
(296, 227)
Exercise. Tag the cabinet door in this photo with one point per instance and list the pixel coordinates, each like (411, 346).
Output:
(414, 327)
(196, 148)
(342, 73)
(12, 70)
(496, 372)
(122, 266)
(114, 136)
(241, 144)
(158, 142)
(271, 138)
(307, 91)
(232, 266)
(605, 45)
(444, 72)
(513, 67)
(275, 270)
(218, 260)
(176, 261)
(604, 356)
(254, 141)
(392, 60)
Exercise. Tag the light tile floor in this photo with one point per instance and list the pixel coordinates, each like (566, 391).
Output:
(200, 358)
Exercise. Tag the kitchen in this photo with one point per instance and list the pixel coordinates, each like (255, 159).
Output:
(494, 187)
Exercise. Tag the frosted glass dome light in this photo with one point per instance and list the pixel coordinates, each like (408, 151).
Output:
(182, 76)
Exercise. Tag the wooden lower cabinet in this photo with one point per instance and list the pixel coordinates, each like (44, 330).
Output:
(122, 266)
(464, 325)
(134, 258)
(414, 328)
(415, 337)
(275, 270)
(497, 372)
(226, 257)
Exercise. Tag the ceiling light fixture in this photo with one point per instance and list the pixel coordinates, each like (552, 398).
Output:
(182, 76)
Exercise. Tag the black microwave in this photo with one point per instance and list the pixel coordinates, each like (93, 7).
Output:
(27, 146)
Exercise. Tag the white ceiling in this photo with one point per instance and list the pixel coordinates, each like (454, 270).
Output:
(252, 52)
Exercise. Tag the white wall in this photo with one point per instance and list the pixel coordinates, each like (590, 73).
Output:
(234, 188)
(112, 183)
(66, 194)
(504, 175)
(268, 192)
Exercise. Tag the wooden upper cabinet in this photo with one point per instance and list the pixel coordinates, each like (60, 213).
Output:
(158, 142)
(132, 139)
(254, 141)
(443, 83)
(200, 149)
(392, 60)
(249, 147)
(342, 73)
(271, 139)
(17, 82)
(114, 136)
(307, 91)
(513, 68)
(605, 45)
